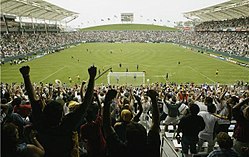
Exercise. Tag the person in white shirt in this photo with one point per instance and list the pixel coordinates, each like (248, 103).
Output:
(207, 133)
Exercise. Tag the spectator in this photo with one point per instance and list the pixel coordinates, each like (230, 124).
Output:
(207, 134)
(173, 112)
(91, 132)
(12, 147)
(225, 146)
(190, 126)
(136, 135)
(241, 131)
(54, 130)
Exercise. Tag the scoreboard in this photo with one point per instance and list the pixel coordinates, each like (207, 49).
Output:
(127, 17)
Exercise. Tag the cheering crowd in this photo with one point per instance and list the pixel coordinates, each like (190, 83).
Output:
(44, 119)
(87, 120)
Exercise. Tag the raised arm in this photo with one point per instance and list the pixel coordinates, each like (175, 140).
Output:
(140, 107)
(108, 130)
(155, 112)
(82, 90)
(239, 105)
(199, 96)
(73, 119)
(154, 133)
(50, 92)
(98, 102)
(28, 86)
(236, 109)
(89, 92)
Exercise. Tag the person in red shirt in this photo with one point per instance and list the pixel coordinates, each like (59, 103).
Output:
(91, 132)
(23, 109)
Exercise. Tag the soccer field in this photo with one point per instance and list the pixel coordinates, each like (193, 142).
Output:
(156, 60)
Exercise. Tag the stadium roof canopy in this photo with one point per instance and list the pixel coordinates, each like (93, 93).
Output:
(224, 11)
(38, 9)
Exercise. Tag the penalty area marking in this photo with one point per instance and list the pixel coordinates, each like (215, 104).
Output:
(205, 76)
(52, 74)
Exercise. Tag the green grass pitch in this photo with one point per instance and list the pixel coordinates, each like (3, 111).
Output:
(155, 59)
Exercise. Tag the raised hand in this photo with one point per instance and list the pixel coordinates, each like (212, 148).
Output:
(152, 93)
(138, 98)
(25, 70)
(111, 94)
(92, 71)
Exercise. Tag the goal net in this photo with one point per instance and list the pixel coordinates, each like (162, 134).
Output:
(130, 78)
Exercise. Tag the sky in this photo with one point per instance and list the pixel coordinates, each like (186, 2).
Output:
(158, 12)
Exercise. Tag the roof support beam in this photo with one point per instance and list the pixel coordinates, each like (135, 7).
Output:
(39, 9)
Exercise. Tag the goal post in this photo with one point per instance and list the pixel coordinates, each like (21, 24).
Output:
(131, 78)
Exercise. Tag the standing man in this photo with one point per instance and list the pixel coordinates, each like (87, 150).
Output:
(70, 79)
(208, 133)
(217, 72)
(78, 78)
(173, 112)
(190, 126)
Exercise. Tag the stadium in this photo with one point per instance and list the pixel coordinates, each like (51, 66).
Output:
(119, 87)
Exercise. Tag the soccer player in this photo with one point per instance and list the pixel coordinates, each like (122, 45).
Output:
(70, 79)
(78, 77)
(217, 72)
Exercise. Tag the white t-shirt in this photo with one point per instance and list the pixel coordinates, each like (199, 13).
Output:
(209, 119)
(201, 105)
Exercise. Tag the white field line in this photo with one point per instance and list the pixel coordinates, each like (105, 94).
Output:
(52, 74)
(205, 76)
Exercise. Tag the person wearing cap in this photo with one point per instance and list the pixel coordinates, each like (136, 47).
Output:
(225, 149)
(126, 117)
(72, 105)
(56, 131)
(22, 107)
(137, 142)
